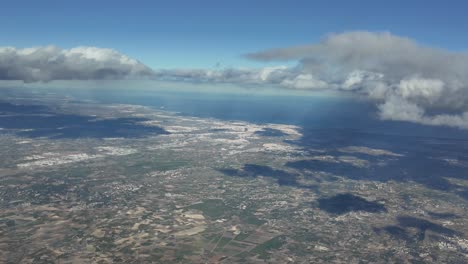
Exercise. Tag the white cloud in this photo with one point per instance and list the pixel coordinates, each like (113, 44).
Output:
(304, 81)
(408, 81)
(356, 78)
(81, 63)
(396, 108)
(428, 89)
(264, 74)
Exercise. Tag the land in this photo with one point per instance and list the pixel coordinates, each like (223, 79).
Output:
(143, 185)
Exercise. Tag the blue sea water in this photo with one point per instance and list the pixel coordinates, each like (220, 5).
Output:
(309, 112)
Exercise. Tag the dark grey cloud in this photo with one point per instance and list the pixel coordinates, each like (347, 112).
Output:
(81, 63)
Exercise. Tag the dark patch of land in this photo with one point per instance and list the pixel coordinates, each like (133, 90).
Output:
(345, 203)
(283, 177)
(405, 229)
(37, 121)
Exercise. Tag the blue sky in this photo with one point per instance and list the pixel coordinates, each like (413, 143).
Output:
(200, 34)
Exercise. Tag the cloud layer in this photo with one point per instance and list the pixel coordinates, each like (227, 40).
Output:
(81, 63)
(409, 82)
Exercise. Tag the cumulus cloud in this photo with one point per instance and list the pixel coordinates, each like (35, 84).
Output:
(396, 108)
(408, 81)
(81, 63)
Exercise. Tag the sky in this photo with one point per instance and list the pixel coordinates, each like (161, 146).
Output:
(409, 58)
(206, 34)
